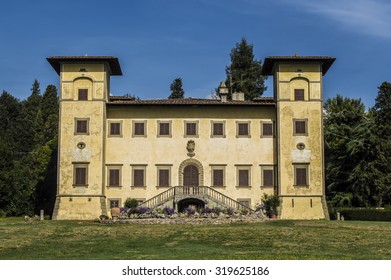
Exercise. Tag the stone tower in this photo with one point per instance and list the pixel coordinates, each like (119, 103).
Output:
(299, 132)
(84, 92)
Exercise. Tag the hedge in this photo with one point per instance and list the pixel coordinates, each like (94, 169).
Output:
(366, 214)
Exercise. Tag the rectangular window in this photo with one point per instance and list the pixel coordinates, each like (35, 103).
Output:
(114, 177)
(138, 175)
(243, 178)
(81, 126)
(164, 177)
(299, 94)
(139, 129)
(80, 174)
(218, 178)
(113, 203)
(300, 127)
(218, 129)
(243, 129)
(115, 129)
(301, 174)
(164, 129)
(191, 129)
(82, 94)
(245, 201)
(266, 129)
(243, 174)
(267, 177)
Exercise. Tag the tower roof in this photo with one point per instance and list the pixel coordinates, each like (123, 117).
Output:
(270, 61)
(115, 68)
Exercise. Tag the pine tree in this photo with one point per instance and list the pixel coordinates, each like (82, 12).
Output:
(176, 89)
(244, 72)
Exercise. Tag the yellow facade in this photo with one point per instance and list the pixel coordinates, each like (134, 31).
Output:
(113, 148)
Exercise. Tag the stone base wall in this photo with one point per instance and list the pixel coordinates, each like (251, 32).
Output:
(79, 208)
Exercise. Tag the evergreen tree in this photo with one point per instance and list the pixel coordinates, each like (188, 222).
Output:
(342, 115)
(176, 89)
(382, 130)
(244, 72)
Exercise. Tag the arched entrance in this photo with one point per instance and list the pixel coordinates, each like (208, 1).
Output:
(190, 202)
(191, 176)
(195, 165)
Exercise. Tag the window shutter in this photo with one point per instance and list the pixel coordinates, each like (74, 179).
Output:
(83, 94)
(139, 129)
(163, 178)
(267, 177)
(300, 127)
(301, 176)
(299, 94)
(164, 129)
(218, 179)
(81, 126)
(243, 129)
(191, 129)
(243, 178)
(217, 129)
(138, 177)
(115, 128)
(114, 177)
(81, 174)
(267, 129)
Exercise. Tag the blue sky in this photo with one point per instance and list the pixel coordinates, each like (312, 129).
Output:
(159, 40)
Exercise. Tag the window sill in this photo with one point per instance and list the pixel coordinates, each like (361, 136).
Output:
(219, 187)
(267, 187)
(114, 187)
(301, 186)
(243, 187)
(80, 186)
(138, 187)
(114, 136)
(163, 187)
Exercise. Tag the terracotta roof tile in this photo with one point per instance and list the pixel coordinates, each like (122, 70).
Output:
(190, 101)
(268, 65)
(115, 67)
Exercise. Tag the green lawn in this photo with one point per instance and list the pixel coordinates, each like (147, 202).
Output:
(267, 240)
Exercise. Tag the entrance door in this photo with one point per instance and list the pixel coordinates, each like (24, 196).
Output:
(190, 176)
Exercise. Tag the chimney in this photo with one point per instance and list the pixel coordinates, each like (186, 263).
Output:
(223, 92)
(238, 96)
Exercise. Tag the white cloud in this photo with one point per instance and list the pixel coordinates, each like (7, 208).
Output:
(363, 16)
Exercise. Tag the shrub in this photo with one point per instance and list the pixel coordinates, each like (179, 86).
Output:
(143, 210)
(189, 211)
(366, 214)
(230, 211)
(131, 203)
(270, 202)
(168, 210)
(3, 214)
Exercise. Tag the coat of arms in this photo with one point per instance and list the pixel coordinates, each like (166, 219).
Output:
(190, 148)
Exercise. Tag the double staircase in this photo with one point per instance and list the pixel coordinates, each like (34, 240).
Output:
(200, 192)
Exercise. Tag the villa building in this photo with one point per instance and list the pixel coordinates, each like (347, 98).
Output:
(181, 152)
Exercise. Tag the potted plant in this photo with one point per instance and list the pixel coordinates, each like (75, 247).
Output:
(271, 202)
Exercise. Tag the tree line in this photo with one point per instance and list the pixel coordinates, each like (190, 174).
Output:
(28, 149)
(358, 150)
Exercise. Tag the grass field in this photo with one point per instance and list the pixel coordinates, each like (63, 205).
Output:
(268, 240)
